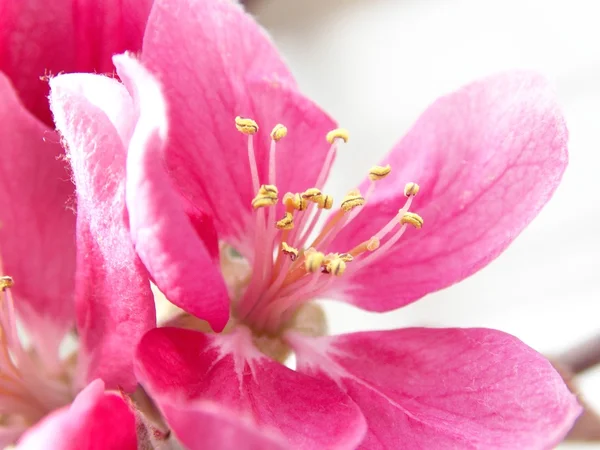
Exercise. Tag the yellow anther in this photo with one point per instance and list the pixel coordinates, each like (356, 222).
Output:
(411, 189)
(294, 202)
(290, 251)
(373, 244)
(312, 195)
(336, 266)
(279, 132)
(6, 282)
(261, 202)
(246, 125)
(268, 190)
(325, 201)
(346, 257)
(287, 223)
(267, 196)
(338, 133)
(352, 200)
(313, 261)
(413, 219)
(379, 172)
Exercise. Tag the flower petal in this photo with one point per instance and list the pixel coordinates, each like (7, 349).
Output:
(487, 158)
(196, 424)
(37, 224)
(43, 38)
(95, 421)
(164, 237)
(444, 388)
(228, 370)
(215, 63)
(114, 302)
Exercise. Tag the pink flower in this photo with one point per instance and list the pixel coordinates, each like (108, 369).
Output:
(487, 158)
(62, 277)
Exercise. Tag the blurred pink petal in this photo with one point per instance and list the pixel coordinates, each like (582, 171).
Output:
(95, 421)
(37, 223)
(201, 425)
(487, 158)
(40, 38)
(177, 365)
(444, 388)
(114, 303)
(164, 237)
(215, 54)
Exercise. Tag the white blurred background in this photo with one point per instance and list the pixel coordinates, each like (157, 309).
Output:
(376, 64)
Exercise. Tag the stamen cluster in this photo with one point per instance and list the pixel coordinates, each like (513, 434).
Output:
(288, 270)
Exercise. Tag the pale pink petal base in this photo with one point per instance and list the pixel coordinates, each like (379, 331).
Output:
(180, 367)
(487, 158)
(115, 306)
(422, 388)
(95, 421)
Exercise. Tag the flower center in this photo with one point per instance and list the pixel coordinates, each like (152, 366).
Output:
(27, 390)
(289, 268)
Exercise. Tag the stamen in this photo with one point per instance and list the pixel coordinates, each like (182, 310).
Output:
(325, 202)
(279, 132)
(338, 133)
(352, 200)
(267, 196)
(346, 257)
(6, 282)
(245, 125)
(290, 251)
(370, 245)
(287, 223)
(333, 137)
(336, 266)
(413, 219)
(312, 195)
(294, 202)
(313, 262)
(249, 127)
(379, 172)
(411, 189)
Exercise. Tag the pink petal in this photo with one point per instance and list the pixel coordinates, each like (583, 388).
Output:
(215, 63)
(187, 366)
(196, 424)
(204, 226)
(164, 237)
(37, 222)
(115, 306)
(95, 421)
(487, 158)
(445, 388)
(39, 38)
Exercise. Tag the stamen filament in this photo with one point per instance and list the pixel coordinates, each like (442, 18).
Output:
(380, 251)
(253, 166)
(327, 164)
(339, 215)
(316, 214)
(392, 223)
(272, 171)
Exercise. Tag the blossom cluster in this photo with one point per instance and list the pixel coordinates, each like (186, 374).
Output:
(163, 148)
